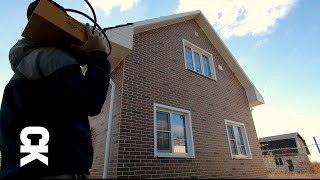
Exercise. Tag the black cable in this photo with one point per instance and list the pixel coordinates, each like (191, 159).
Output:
(93, 12)
(96, 24)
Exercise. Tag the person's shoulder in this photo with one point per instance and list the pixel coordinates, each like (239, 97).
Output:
(51, 53)
(43, 61)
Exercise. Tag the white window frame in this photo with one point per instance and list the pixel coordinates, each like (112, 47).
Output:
(201, 52)
(245, 139)
(189, 135)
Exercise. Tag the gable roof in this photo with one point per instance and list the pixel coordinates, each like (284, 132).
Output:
(279, 137)
(253, 95)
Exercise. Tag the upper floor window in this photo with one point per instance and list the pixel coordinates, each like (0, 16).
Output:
(199, 60)
(173, 132)
(238, 140)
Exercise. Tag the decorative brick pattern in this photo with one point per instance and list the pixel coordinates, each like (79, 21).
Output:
(154, 72)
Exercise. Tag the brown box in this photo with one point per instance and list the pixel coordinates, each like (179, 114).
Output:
(50, 24)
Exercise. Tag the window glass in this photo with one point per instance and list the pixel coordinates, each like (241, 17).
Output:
(163, 141)
(233, 147)
(163, 121)
(230, 132)
(206, 66)
(197, 62)
(189, 58)
(179, 133)
(239, 140)
(237, 132)
(242, 150)
(239, 136)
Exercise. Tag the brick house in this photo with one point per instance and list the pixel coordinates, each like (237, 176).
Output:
(179, 105)
(285, 152)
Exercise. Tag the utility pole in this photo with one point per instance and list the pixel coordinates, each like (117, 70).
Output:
(316, 144)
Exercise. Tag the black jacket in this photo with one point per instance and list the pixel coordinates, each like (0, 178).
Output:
(49, 90)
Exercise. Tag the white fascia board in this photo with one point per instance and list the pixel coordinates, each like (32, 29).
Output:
(121, 39)
(155, 23)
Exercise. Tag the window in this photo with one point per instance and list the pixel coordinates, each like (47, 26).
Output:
(291, 167)
(199, 60)
(173, 132)
(238, 141)
(189, 58)
(206, 66)
(278, 161)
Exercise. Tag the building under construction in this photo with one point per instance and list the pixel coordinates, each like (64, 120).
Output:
(286, 152)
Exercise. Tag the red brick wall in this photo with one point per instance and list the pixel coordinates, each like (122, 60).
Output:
(155, 72)
(99, 126)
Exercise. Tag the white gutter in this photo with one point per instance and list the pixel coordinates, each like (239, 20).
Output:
(109, 133)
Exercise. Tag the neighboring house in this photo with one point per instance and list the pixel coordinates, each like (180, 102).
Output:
(287, 152)
(179, 105)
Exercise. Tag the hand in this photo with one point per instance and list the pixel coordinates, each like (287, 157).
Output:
(96, 41)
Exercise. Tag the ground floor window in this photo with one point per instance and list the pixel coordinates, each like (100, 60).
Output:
(238, 141)
(173, 132)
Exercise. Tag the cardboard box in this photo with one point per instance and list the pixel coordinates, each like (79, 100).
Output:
(49, 24)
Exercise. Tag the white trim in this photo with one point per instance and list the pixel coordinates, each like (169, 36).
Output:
(145, 25)
(161, 106)
(155, 145)
(185, 57)
(198, 49)
(171, 134)
(201, 52)
(171, 155)
(189, 135)
(245, 139)
(201, 64)
(109, 131)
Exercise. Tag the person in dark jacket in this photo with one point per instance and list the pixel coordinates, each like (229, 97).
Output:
(50, 90)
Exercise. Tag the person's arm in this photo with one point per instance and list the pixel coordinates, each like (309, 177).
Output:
(98, 70)
(97, 80)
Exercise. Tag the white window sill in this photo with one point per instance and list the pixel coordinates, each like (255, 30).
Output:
(241, 157)
(170, 155)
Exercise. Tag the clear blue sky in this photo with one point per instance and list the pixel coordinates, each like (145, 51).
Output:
(275, 42)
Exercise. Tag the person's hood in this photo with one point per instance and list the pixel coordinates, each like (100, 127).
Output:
(38, 60)
(20, 50)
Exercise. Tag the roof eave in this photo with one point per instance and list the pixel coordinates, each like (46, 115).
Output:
(146, 25)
